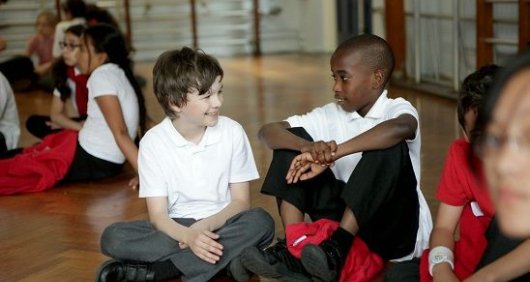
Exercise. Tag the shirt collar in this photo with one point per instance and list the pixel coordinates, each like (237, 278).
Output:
(377, 109)
(211, 136)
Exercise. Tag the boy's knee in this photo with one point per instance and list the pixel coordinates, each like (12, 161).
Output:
(263, 219)
(395, 153)
(300, 132)
(111, 239)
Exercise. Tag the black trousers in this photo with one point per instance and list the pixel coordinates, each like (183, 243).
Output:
(38, 127)
(18, 68)
(87, 167)
(381, 192)
(3, 145)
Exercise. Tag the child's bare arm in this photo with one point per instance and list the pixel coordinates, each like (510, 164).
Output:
(381, 136)
(506, 268)
(443, 234)
(240, 193)
(276, 136)
(58, 116)
(111, 109)
(202, 242)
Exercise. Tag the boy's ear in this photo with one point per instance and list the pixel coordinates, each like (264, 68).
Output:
(378, 78)
(175, 108)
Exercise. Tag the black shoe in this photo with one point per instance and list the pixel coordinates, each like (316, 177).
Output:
(237, 271)
(118, 271)
(274, 262)
(323, 262)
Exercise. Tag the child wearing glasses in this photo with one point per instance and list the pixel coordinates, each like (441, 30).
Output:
(115, 115)
(70, 96)
(505, 149)
(465, 206)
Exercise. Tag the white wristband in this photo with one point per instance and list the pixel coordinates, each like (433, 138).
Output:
(440, 254)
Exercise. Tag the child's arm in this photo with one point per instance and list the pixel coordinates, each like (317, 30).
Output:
(111, 109)
(276, 136)
(240, 193)
(382, 136)
(442, 234)
(202, 242)
(43, 69)
(506, 268)
(58, 117)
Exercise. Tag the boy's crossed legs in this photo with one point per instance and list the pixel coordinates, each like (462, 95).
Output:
(145, 247)
(379, 203)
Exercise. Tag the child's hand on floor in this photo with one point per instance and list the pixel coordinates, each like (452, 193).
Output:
(134, 183)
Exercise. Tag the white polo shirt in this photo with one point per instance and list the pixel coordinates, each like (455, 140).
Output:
(9, 122)
(96, 137)
(331, 122)
(195, 178)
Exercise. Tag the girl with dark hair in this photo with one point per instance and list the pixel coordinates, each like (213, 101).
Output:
(115, 106)
(69, 103)
(115, 112)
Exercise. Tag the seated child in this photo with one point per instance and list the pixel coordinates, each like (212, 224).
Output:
(464, 199)
(195, 168)
(115, 111)
(70, 97)
(9, 123)
(356, 161)
(505, 151)
(41, 44)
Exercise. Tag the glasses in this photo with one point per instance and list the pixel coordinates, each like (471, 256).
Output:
(69, 46)
(491, 144)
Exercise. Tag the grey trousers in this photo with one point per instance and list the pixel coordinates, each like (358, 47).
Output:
(139, 241)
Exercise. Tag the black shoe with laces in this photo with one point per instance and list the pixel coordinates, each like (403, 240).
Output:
(325, 261)
(274, 262)
(118, 271)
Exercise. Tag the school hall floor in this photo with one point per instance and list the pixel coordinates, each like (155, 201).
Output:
(54, 235)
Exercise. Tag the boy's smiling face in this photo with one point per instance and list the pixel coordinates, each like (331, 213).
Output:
(202, 110)
(355, 87)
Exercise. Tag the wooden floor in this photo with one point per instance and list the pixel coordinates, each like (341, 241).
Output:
(54, 235)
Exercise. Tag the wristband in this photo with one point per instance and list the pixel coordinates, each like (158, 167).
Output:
(440, 254)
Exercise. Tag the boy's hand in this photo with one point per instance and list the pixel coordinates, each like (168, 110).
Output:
(134, 183)
(304, 167)
(204, 245)
(321, 152)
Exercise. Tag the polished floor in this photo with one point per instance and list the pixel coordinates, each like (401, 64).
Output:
(54, 235)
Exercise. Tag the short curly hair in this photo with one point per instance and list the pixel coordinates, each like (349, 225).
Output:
(474, 88)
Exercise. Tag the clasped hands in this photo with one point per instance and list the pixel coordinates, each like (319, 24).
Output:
(204, 244)
(314, 159)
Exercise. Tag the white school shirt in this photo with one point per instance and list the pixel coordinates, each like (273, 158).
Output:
(331, 122)
(96, 137)
(9, 122)
(195, 178)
